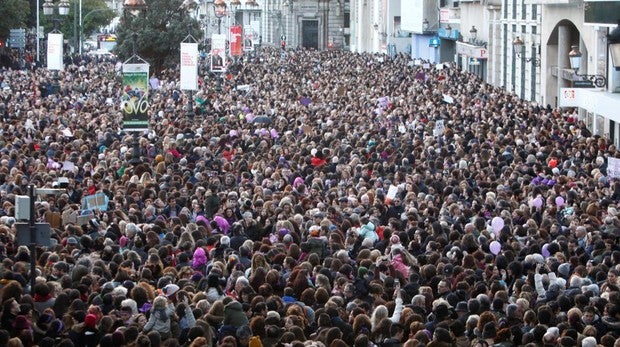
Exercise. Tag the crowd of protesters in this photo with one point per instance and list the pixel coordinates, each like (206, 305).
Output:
(311, 199)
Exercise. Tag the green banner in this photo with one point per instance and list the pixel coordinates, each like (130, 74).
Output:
(134, 102)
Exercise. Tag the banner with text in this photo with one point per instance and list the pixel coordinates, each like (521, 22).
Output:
(236, 43)
(189, 66)
(218, 53)
(134, 102)
(54, 51)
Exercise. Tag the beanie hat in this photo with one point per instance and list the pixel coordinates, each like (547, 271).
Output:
(122, 241)
(362, 271)
(564, 270)
(90, 321)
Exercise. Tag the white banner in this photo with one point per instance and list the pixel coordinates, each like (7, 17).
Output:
(613, 167)
(54, 51)
(218, 52)
(189, 66)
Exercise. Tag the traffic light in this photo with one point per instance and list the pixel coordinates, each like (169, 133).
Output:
(1, 43)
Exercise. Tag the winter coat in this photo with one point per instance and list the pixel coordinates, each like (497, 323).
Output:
(160, 319)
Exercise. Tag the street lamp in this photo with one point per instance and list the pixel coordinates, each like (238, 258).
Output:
(518, 45)
(425, 25)
(473, 34)
(614, 46)
(448, 31)
(63, 10)
(135, 7)
(575, 63)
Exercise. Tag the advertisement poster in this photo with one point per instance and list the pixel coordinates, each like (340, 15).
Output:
(218, 53)
(236, 42)
(189, 66)
(135, 97)
(54, 51)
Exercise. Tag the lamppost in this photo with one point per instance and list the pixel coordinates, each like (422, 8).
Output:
(63, 11)
(473, 34)
(519, 47)
(135, 7)
(575, 63)
(219, 10)
(33, 192)
(614, 46)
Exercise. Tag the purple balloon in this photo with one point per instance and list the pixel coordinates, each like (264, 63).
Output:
(537, 202)
(495, 247)
(559, 201)
(545, 251)
(497, 223)
(274, 133)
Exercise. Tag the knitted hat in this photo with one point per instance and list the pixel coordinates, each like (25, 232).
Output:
(564, 270)
(90, 321)
(362, 271)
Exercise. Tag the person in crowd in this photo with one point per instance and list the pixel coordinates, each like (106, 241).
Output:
(329, 199)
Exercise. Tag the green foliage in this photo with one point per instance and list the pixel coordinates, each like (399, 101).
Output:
(15, 14)
(95, 14)
(157, 33)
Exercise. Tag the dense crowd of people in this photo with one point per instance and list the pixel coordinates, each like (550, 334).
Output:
(310, 199)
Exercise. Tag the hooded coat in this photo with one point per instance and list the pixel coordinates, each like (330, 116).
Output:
(234, 315)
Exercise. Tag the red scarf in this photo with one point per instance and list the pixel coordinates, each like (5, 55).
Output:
(42, 298)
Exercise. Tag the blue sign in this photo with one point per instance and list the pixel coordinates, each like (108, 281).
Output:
(434, 42)
(453, 34)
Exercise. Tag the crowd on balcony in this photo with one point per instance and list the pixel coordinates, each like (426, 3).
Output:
(311, 199)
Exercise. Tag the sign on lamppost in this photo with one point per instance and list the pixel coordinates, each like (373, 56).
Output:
(236, 42)
(134, 101)
(54, 51)
(218, 53)
(189, 66)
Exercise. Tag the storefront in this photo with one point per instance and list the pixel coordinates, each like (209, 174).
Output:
(600, 110)
(472, 58)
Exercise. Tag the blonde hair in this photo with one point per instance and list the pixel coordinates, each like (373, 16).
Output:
(160, 302)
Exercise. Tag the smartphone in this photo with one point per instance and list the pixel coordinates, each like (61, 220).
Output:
(397, 282)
